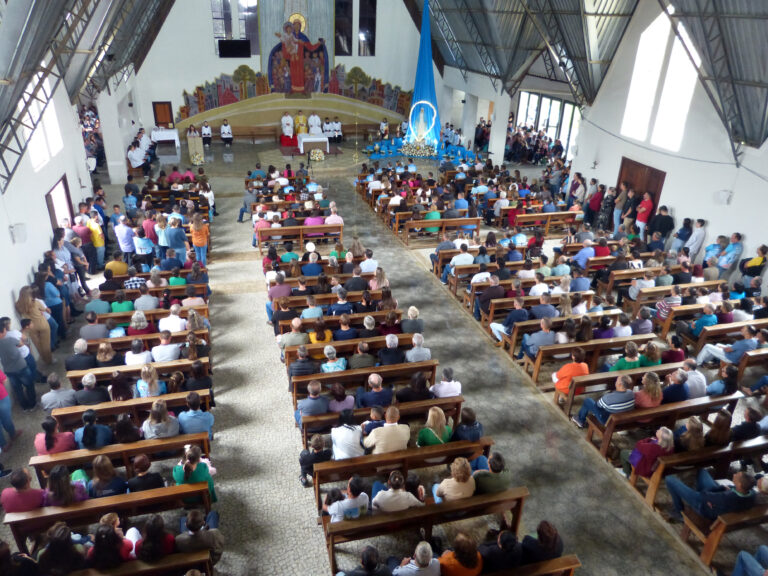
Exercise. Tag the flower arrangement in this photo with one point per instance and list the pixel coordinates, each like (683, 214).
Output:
(317, 155)
(414, 149)
(197, 159)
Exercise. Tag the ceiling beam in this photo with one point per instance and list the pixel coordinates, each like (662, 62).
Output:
(591, 42)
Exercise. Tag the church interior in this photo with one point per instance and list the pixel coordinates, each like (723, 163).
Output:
(229, 344)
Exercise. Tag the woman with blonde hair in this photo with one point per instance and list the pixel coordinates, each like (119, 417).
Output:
(160, 424)
(460, 485)
(105, 481)
(564, 287)
(690, 436)
(201, 233)
(413, 324)
(106, 356)
(379, 280)
(156, 280)
(436, 431)
(357, 248)
(139, 325)
(39, 331)
(195, 321)
(148, 385)
(650, 395)
(565, 305)
(720, 432)
(651, 356)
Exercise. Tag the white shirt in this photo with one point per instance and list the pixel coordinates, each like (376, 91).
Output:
(336, 127)
(226, 131)
(480, 277)
(287, 124)
(314, 123)
(172, 324)
(395, 500)
(369, 265)
(23, 349)
(328, 129)
(696, 384)
(166, 352)
(445, 389)
(346, 442)
(205, 131)
(620, 331)
(140, 358)
(538, 289)
(136, 157)
(145, 142)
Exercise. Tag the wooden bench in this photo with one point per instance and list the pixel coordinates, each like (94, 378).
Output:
(346, 347)
(563, 566)
(425, 517)
(444, 257)
(300, 302)
(468, 298)
(23, 524)
(404, 460)
(623, 277)
(463, 273)
(501, 306)
(149, 340)
(333, 322)
(443, 225)
(312, 280)
(415, 411)
(592, 348)
(547, 220)
(254, 132)
(687, 311)
(663, 415)
(398, 219)
(752, 358)
(134, 371)
(391, 375)
(604, 381)
(300, 234)
(711, 534)
(171, 565)
(163, 274)
(120, 454)
(649, 296)
(720, 332)
(179, 292)
(151, 315)
(72, 416)
(720, 457)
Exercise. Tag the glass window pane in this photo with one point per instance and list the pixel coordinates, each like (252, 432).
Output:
(565, 126)
(544, 113)
(522, 107)
(554, 118)
(533, 107)
(249, 23)
(366, 45)
(343, 19)
(574, 134)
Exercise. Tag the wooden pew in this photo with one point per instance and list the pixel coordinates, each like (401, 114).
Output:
(649, 296)
(573, 247)
(347, 347)
(752, 358)
(426, 517)
(687, 311)
(71, 417)
(171, 565)
(623, 277)
(299, 302)
(312, 280)
(711, 535)
(663, 415)
(333, 322)
(150, 340)
(720, 457)
(151, 315)
(604, 381)
(444, 225)
(547, 220)
(404, 460)
(720, 332)
(593, 349)
(464, 273)
(301, 233)
(563, 566)
(351, 379)
(105, 373)
(25, 524)
(468, 298)
(163, 274)
(444, 257)
(395, 221)
(119, 454)
(409, 412)
(179, 292)
(501, 306)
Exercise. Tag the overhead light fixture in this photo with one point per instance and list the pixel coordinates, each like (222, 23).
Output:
(362, 36)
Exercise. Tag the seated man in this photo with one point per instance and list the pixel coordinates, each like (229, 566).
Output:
(620, 400)
(391, 354)
(711, 499)
(418, 353)
(361, 358)
(377, 396)
(532, 342)
(496, 479)
(313, 268)
(21, 497)
(313, 404)
(423, 562)
(173, 322)
(341, 306)
(544, 309)
(57, 397)
(633, 290)
(303, 366)
(194, 420)
(582, 256)
(201, 533)
(93, 330)
(91, 394)
(357, 283)
(390, 437)
(81, 359)
(483, 299)
(730, 354)
(674, 388)
(354, 505)
(308, 458)
(694, 328)
(345, 332)
(464, 258)
(146, 301)
(166, 351)
(347, 437)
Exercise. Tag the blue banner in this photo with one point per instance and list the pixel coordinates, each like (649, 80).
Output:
(424, 119)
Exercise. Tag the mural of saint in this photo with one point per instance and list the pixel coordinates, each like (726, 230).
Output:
(297, 57)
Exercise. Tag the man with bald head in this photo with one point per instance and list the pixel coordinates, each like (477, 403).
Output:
(391, 437)
(376, 396)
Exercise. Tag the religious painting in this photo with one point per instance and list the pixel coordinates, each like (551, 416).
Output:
(296, 65)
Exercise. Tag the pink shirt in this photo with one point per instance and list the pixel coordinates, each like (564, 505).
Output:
(63, 442)
(21, 501)
(334, 219)
(3, 389)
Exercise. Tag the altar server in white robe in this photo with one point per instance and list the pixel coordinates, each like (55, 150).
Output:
(328, 129)
(337, 135)
(315, 125)
(287, 125)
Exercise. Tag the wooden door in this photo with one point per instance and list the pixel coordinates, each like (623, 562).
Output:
(163, 114)
(59, 203)
(642, 178)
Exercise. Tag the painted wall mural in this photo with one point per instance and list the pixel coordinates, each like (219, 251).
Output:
(245, 83)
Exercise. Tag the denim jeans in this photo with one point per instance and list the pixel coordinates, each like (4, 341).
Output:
(525, 349)
(479, 463)
(211, 521)
(57, 312)
(5, 420)
(100, 251)
(269, 311)
(641, 228)
(590, 407)
(682, 494)
(762, 383)
(245, 208)
(677, 245)
(23, 384)
(201, 253)
(752, 565)
(616, 220)
(446, 271)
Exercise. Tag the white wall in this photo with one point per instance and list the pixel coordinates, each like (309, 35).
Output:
(24, 203)
(120, 121)
(703, 166)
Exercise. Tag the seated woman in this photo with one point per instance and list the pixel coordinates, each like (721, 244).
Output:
(578, 303)
(650, 395)
(631, 359)
(463, 560)
(106, 356)
(155, 541)
(396, 497)
(148, 385)
(340, 400)
(139, 325)
(562, 288)
(387, 302)
(114, 331)
(120, 387)
(192, 470)
(61, 491)
(144, 479)
(690, 436)
(646, 452)
(562, 378)
(604, 328)
(483, 257)
(651, 356)
(105, 481)
(435, 431)
(586, 328)
(198, 380)
(61, 555)
(390, 325)
(460, 485)
(125, 431)
(160, 424)
(51, 441)
(176, 278)
(91, 435)
(675, 352)
(416, 390)
(156, 280)
(728, 382)
(720, 432)
(366, 305)
(109, 549)
(320, 335)
(379, 280)
(120, 304)
(547, 544)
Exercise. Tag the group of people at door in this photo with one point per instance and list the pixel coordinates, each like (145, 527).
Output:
(292, 126)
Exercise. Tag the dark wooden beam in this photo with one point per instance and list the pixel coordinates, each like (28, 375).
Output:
(437, 56)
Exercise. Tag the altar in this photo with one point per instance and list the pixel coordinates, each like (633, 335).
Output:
(159, 135)
(313, 139)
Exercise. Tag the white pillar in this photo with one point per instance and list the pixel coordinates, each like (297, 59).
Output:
(498, 139)
(469, 118)
(114, 149)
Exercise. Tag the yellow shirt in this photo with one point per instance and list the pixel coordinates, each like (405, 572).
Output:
(97, 235)
(118, 268)
(301, 124)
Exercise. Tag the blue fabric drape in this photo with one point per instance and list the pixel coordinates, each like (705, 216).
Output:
(424, 119)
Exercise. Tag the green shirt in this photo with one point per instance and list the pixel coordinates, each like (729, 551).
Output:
(624, 364)
(427, 437)
(176, 281)
(199, 474)
(486, 482)
(125, 306)
(645, 362)
(545, 271)
(434, 215)
(288, 256)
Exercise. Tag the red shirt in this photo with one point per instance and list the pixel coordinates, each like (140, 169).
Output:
(83, 232)
(149, 229)
(150, 329)
(644, 216)
(21, 501)
(167, 546)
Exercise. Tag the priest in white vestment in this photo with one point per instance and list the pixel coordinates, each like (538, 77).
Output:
(315, 125)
